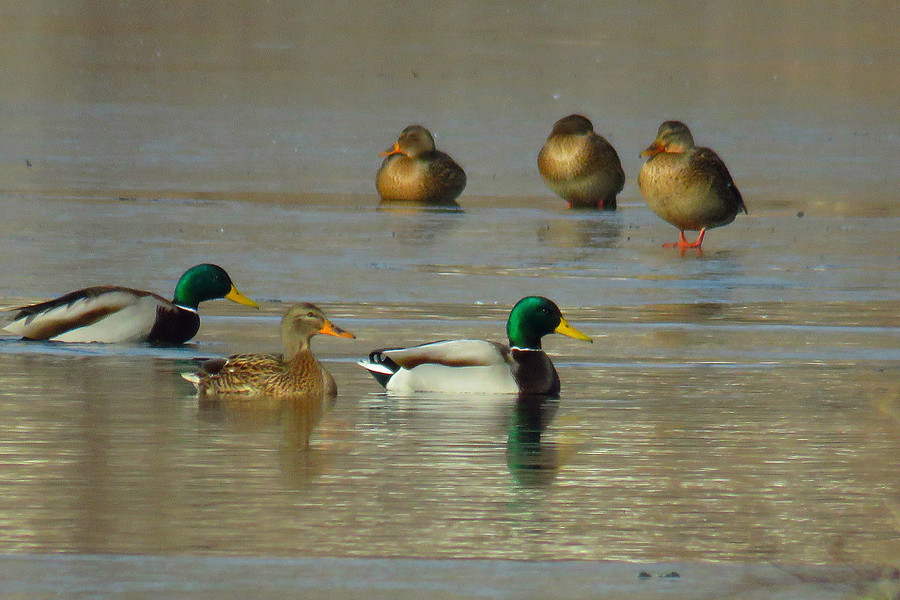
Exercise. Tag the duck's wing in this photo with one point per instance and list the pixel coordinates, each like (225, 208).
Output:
(96, 314)
(238, 374)
(454, 353)
(705, 160)
(450, 177)
(437, 357)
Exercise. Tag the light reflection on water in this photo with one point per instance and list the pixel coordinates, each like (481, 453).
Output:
(637, 461)
(741, 404)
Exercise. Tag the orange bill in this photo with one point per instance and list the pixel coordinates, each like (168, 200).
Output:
(395, 149)
(330, 328)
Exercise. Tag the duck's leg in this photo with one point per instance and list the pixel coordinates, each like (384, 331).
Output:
(699, 239)
(682, 242)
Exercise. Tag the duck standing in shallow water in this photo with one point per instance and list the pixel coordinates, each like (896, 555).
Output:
(687, 185)
(296, 373)
(479, 366)
(581, 166)
(113, 314)
(414, 171)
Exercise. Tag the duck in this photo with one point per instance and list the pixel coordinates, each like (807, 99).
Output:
(294, 374)
(473, 366)
(581, 166)
(686, 185)
(414, 171)
(113, 314)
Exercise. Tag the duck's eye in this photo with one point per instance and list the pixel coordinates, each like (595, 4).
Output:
(310, 314)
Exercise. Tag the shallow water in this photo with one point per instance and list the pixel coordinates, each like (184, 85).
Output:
(738, 405)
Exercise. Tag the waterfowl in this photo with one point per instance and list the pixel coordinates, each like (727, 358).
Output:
(687, 185)
(479, 366)
(580, 165)
(113, 314)
(293, 374)
(414, 171)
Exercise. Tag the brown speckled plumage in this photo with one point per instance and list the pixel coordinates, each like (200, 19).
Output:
(414, 171)
(295, 373)
(580, 165)
(686, 185)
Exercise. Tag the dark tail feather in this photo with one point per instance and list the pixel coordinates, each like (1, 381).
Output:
(381, 376)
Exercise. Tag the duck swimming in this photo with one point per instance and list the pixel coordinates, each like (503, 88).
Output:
(296, 373)
(479, 366)
(113, 314)
(687, 185)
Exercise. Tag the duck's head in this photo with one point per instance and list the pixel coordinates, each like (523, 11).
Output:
(413, 141)
(572, 125)
(207, 282)
(304, 320)
(534, 317)
(673, 136)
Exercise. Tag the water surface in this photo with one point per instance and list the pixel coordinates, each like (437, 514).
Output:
(737, 405)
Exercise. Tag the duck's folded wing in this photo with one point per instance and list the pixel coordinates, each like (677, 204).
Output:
(83, 308)
(456, 353)
(707, 161)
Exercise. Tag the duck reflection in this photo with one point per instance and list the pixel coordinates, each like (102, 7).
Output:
(601, 230)
(421, 224)
(294, 417)
(532, 460)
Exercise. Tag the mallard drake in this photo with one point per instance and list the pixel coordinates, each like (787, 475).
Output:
(479, 366)
(292, 374)
(413, 171)
(581, 166)
(687, 185)
(113, 314)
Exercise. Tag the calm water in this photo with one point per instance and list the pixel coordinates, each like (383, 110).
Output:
(739, 405)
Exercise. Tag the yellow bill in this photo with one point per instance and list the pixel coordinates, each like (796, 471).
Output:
(566, 329)
(235, 296)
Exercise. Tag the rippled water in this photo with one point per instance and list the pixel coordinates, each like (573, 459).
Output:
(737, 405)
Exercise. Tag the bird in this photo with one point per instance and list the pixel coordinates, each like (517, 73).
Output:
(580, 165)
(472, 366)
(296, 373)
(689, 186)
(113, 314)
(413, 171)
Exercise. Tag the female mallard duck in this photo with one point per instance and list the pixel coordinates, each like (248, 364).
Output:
(114, 314)
(478, 366)
(580, 165)
(687, 185)
(413, 171)
(295, 373)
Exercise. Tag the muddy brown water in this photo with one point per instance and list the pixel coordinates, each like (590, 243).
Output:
(738, 405)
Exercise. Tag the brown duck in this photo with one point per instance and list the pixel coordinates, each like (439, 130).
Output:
(294, 374)
(414, 171)
(687, 185)
(581, 166)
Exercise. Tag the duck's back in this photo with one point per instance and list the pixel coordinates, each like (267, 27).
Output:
(269, 375)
